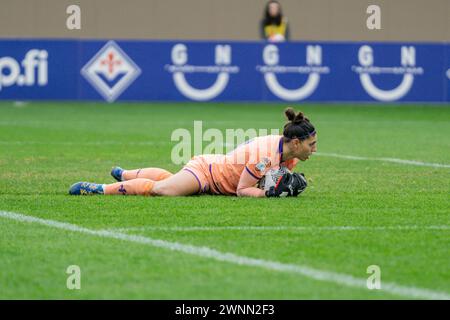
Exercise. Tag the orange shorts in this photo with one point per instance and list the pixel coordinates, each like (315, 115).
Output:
(201, 170)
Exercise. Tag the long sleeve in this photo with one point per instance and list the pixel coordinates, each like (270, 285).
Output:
(246, 186)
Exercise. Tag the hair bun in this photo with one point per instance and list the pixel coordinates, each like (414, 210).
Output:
(290, 114)
(298, 125)
(294, 117)
(299, 118)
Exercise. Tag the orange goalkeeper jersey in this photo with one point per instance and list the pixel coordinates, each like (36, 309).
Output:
(253, 157)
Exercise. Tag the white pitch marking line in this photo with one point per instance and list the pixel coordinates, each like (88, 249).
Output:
(280, 228)
(205, 252)
(394, 160)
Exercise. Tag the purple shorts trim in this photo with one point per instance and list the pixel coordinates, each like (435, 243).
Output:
(199, 184)
(252, 174)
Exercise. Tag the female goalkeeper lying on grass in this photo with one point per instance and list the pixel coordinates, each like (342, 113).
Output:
(236, 173)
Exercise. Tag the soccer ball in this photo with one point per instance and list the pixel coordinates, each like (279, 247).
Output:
(271, 177)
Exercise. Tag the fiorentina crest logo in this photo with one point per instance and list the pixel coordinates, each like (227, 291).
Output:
(110, 71)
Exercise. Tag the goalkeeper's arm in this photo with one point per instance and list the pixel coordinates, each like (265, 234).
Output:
(246, 186)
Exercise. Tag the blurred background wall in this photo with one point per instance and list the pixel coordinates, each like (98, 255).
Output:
(401, 20)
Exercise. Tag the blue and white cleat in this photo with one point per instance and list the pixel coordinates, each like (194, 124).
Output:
(86, 188)
(116, 173)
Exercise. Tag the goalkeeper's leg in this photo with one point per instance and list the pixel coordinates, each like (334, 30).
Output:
(155, 174)
(182, 183)
(133, 187)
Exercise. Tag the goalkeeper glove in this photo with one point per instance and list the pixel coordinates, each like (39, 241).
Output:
(289, 185)
(299, 183)
(283, 188)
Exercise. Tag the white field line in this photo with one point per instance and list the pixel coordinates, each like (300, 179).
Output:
(205, 252)
(394, 160)
(281, 228)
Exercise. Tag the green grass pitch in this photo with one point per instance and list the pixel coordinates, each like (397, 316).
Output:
(399, 212)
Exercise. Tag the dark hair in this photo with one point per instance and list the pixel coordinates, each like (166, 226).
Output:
(268, 19)
(298, 126)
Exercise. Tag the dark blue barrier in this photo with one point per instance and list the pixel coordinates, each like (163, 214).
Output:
(223, 71)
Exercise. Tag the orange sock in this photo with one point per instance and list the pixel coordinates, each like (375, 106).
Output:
(155, 174)
(141, 187)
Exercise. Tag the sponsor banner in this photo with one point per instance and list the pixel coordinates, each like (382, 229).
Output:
(33, 70)
(129, 70)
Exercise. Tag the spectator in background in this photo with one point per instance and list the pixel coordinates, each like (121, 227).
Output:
(274, 26)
